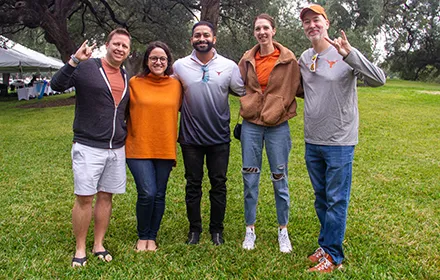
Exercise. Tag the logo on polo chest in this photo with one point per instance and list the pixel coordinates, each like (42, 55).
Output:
(331, 62)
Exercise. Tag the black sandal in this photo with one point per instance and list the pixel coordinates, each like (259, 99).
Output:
(78, 262)
(103, 256)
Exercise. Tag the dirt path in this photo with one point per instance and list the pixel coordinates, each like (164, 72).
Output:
(53, 103)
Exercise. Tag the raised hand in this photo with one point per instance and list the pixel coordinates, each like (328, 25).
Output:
(84, 52)
(341, 44)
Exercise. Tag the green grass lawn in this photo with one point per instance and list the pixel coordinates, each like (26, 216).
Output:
(393, 229)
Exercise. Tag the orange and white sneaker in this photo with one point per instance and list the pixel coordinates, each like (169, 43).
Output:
(317, 255)
(325, 265)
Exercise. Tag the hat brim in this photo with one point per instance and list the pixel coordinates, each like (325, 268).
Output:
(305, 10)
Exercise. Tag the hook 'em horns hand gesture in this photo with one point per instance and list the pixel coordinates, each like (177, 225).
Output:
(341, 44)
(83, 53)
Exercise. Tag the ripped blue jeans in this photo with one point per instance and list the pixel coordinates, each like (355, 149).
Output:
(278, 144)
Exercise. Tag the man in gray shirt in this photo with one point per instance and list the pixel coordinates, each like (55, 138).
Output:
(207, 79)
(329, 72)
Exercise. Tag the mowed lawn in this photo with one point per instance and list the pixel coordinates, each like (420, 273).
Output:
(393, 229)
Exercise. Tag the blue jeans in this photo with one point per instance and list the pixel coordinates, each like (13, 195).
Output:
(217, 159)
(330, 171)
(151, 178)
(278, 145)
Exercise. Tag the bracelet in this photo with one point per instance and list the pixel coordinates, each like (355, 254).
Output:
(74, 59)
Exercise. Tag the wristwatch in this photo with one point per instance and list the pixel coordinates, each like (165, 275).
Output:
(74, 59)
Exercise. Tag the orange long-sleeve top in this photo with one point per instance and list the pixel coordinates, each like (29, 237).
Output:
(152, 121)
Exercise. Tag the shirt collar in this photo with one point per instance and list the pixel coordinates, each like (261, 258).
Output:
(194, 57)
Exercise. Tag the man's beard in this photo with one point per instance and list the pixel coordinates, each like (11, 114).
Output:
(208, 48)
(316, 37)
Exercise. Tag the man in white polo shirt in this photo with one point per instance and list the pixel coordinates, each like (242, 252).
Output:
(207, 79)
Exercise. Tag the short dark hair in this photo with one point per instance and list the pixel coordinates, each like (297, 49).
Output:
(151, 46)
(120, 30)
(266, 17)
(203, 22)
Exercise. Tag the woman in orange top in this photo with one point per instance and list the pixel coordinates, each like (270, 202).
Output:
(155, 99)
(272, 80)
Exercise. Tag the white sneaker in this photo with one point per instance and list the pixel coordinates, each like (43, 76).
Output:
(284, 241)
(249, 239)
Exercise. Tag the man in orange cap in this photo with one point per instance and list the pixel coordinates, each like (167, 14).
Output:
(315, 8)
(329, 71)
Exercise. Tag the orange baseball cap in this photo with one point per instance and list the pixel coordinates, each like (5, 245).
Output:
(314, 8)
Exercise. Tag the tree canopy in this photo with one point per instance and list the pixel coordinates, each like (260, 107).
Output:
(411, 29)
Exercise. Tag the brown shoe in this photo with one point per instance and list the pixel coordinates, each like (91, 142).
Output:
(325, 265)
(317, 255)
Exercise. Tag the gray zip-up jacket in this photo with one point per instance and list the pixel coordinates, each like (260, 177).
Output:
(98, 121)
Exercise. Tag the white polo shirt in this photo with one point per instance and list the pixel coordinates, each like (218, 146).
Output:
(205, 114)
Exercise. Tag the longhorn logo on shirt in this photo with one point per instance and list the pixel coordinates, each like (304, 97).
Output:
(331, 62)
(218, 73)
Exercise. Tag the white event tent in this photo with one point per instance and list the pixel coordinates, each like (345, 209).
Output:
(15, 58)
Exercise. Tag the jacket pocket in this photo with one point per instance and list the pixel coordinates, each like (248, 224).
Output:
(251, 105)
(273, 109)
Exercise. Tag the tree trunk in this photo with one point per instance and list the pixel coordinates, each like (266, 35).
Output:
(56, 33)
(6, 77)
(133, 64)
(210, 11)
(53, 20)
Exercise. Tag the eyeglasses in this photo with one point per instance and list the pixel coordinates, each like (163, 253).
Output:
(162, 59)
(205, 77)
(314, 63)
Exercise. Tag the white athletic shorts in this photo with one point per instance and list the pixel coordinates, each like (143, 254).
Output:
(98, 170)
